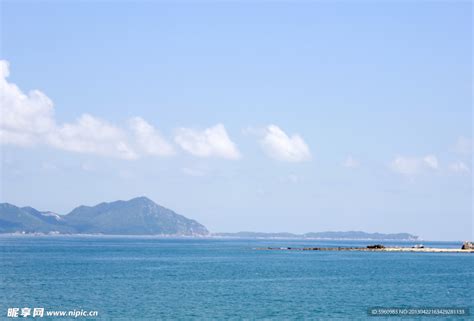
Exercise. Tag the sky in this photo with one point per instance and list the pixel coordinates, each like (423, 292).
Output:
(246, 116)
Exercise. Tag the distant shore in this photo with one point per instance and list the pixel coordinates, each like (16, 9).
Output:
(218, 237)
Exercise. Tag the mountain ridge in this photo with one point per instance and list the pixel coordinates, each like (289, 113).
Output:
(137, 216)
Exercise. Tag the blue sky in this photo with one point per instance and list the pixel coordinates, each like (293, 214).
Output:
(298, 117)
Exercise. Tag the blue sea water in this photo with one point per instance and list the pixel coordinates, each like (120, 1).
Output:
(145, 278)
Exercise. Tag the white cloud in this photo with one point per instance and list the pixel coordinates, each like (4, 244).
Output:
(463, 145)
(92, 135)
(28, 119)
(459, 167)
(148, 139)
(431, 161)
(278, 145)
(210, 142)
(24, 117)
(414, 165)
(351, 162)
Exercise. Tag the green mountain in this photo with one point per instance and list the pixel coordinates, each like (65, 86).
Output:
(27, 219)
(138, 216)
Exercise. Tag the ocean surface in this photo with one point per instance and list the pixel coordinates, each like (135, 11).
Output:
(146, 278)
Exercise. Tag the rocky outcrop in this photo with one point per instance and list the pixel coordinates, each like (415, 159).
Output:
(373, 249)
(376, 246)
(468, 246)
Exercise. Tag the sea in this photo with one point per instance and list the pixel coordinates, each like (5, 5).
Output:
(152, 278)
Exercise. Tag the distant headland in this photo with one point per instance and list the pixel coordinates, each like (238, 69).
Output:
(138, 216)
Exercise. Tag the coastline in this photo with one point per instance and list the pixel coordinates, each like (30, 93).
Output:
(218, 237)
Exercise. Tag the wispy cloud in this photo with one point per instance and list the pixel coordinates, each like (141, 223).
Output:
(49, 166)
(410, 166)
(292, 178)
(459, 167)
(126, 174)
(210, 142)
(88, 167)
(351, 162)
(280, 146)
(463, 145)
(193, 172)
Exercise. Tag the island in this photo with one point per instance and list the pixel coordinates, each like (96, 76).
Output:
(138, 216)
(328, 235)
